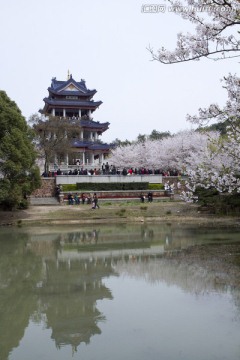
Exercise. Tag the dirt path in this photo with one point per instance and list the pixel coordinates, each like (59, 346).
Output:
(171, 211)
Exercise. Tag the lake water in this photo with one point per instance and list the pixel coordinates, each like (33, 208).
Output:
(110, 292)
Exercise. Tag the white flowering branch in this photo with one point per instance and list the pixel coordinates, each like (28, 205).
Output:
(211, 39)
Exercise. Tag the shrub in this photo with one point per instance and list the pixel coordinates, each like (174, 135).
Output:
(121, 212)
(111, 186)
(218, 202)
(69, 187)
(156, 186)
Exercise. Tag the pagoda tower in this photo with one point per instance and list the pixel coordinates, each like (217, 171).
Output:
(73, 100)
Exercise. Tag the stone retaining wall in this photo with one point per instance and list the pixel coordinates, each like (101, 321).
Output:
(47, 188)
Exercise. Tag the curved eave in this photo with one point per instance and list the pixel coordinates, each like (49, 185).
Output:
(54, 103)
(99, 130)
(104, 147)
(90, 145)
(89, 124)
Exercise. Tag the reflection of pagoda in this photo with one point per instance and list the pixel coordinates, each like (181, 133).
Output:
(73, 100)
(69, 295)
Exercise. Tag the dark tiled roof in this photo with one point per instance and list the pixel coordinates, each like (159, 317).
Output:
(93, 124)
(76, 103)
(99, 147)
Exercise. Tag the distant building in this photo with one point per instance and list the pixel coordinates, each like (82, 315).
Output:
(72, 99)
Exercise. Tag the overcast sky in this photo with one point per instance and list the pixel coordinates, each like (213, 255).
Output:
(104, 42)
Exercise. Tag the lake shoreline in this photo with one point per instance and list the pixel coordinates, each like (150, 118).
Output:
(113, 213)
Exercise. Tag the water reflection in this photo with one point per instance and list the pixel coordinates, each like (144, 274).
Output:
(56, 276)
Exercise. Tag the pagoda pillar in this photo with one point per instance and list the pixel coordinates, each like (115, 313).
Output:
(83, 158)
(53, 112)
(55, 161)
(64, 112)
(66, 159)
(101, 158)
(81, 134)
(79, 113)
(89, 114)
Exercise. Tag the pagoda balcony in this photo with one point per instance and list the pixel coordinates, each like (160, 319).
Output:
(88, 140)
(65, 168)
(76, 118)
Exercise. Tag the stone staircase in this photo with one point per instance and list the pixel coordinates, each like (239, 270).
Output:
(44, 201)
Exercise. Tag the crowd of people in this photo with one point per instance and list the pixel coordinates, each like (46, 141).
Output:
(92, 199)
(77, 199)
(107, 169)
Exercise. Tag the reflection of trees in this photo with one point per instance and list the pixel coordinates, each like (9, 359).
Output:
(19, 272)
(196, 269)
(69, 295)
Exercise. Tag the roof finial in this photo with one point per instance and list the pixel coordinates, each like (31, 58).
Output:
(68, 76)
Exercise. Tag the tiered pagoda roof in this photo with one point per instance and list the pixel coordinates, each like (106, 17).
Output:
(69, 94)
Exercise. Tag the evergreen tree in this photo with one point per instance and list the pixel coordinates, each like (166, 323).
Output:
(19, 175)
(157, 135)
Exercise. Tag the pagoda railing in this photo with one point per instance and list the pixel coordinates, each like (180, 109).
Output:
(64, 167)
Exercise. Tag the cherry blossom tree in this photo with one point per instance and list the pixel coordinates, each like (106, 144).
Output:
(217, 24)
(216, 36)
(221, 166)
(176, 152)
(229, 113)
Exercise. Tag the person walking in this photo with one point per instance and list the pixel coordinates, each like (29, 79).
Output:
(95, 202)
(150, 196)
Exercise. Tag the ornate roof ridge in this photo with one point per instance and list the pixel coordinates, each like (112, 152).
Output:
(89, 93)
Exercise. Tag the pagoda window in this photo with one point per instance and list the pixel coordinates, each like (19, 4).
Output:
(60, 158)
(88, 135)
(84, 112)
(72, 114)
(58, 113)
(75, 135)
